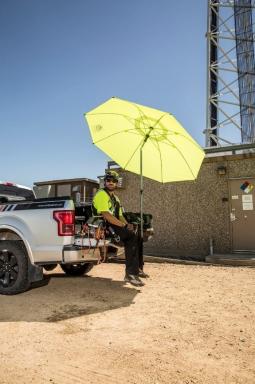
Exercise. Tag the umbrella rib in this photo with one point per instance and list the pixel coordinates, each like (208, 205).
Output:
(116, 133)
(182, 157)
(133, 154)
(105, 113)
(131, 120)
(143, 140)
(112, 113)
(161, 164)
(161, 117)
(181, 134)
(187, 138)
(143, 114)
(140, 112)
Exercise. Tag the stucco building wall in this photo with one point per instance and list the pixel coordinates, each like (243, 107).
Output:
(186, 215)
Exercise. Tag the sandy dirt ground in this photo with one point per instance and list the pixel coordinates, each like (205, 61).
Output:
(189, 324)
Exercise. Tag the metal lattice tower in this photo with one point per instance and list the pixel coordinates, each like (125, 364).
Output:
(230, 73)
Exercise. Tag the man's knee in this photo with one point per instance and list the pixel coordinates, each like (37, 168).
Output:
(126, 235)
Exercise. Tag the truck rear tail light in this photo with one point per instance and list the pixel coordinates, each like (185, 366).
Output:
(66, 222)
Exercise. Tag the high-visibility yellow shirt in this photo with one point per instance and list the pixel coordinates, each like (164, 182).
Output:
(103, 202)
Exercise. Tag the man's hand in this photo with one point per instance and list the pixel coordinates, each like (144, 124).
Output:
(112, 219)
(130, 227)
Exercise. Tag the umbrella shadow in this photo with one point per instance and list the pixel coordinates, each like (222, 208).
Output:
(60, 297)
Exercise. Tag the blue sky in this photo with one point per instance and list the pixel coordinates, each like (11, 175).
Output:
(61, 58)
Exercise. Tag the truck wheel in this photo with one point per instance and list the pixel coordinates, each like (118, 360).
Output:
(49, 267)
(76, 269)
(13, 268)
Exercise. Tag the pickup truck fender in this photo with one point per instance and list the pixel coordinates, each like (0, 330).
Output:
(35, 272)
(22, 232)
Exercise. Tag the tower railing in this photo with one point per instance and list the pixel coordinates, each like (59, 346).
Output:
(230, 73)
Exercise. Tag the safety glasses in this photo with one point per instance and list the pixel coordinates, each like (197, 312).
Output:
(111, 180)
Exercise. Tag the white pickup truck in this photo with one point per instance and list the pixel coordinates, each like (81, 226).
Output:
(36, 234)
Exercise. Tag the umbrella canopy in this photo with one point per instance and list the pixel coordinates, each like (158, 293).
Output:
(145, 141)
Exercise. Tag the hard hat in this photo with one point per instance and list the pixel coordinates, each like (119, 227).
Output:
(111, 175)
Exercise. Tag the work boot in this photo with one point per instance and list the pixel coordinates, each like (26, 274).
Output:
(134, 280)
(143, 274)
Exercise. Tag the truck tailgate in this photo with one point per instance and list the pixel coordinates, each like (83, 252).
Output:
(76, 254)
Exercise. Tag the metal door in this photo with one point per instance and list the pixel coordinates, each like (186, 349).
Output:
(242, 213)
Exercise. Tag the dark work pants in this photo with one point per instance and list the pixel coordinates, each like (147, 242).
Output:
(133, 249)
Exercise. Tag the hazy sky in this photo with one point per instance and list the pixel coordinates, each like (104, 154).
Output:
(61, 58)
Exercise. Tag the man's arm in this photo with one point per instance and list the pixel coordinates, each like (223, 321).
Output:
(123, 220)
(119, 222)
(113, 220)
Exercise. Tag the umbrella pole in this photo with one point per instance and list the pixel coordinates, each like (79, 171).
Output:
(141, 209)
(141, 190)
(141, 193)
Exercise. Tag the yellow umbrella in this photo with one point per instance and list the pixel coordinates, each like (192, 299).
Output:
(145, 141)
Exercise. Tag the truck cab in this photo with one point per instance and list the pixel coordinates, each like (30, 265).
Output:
(11, 191)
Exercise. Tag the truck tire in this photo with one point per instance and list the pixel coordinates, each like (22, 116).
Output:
(13, 268)
(77, 269)
(49, 267)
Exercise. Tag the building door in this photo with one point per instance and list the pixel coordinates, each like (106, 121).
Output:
(242, 214)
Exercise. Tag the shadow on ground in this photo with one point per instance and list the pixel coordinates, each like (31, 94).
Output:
(64, 297)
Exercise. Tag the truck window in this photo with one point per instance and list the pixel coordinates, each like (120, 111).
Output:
(45, 191)
(64, 190)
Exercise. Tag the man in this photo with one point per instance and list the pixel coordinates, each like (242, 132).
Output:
(107, 204)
